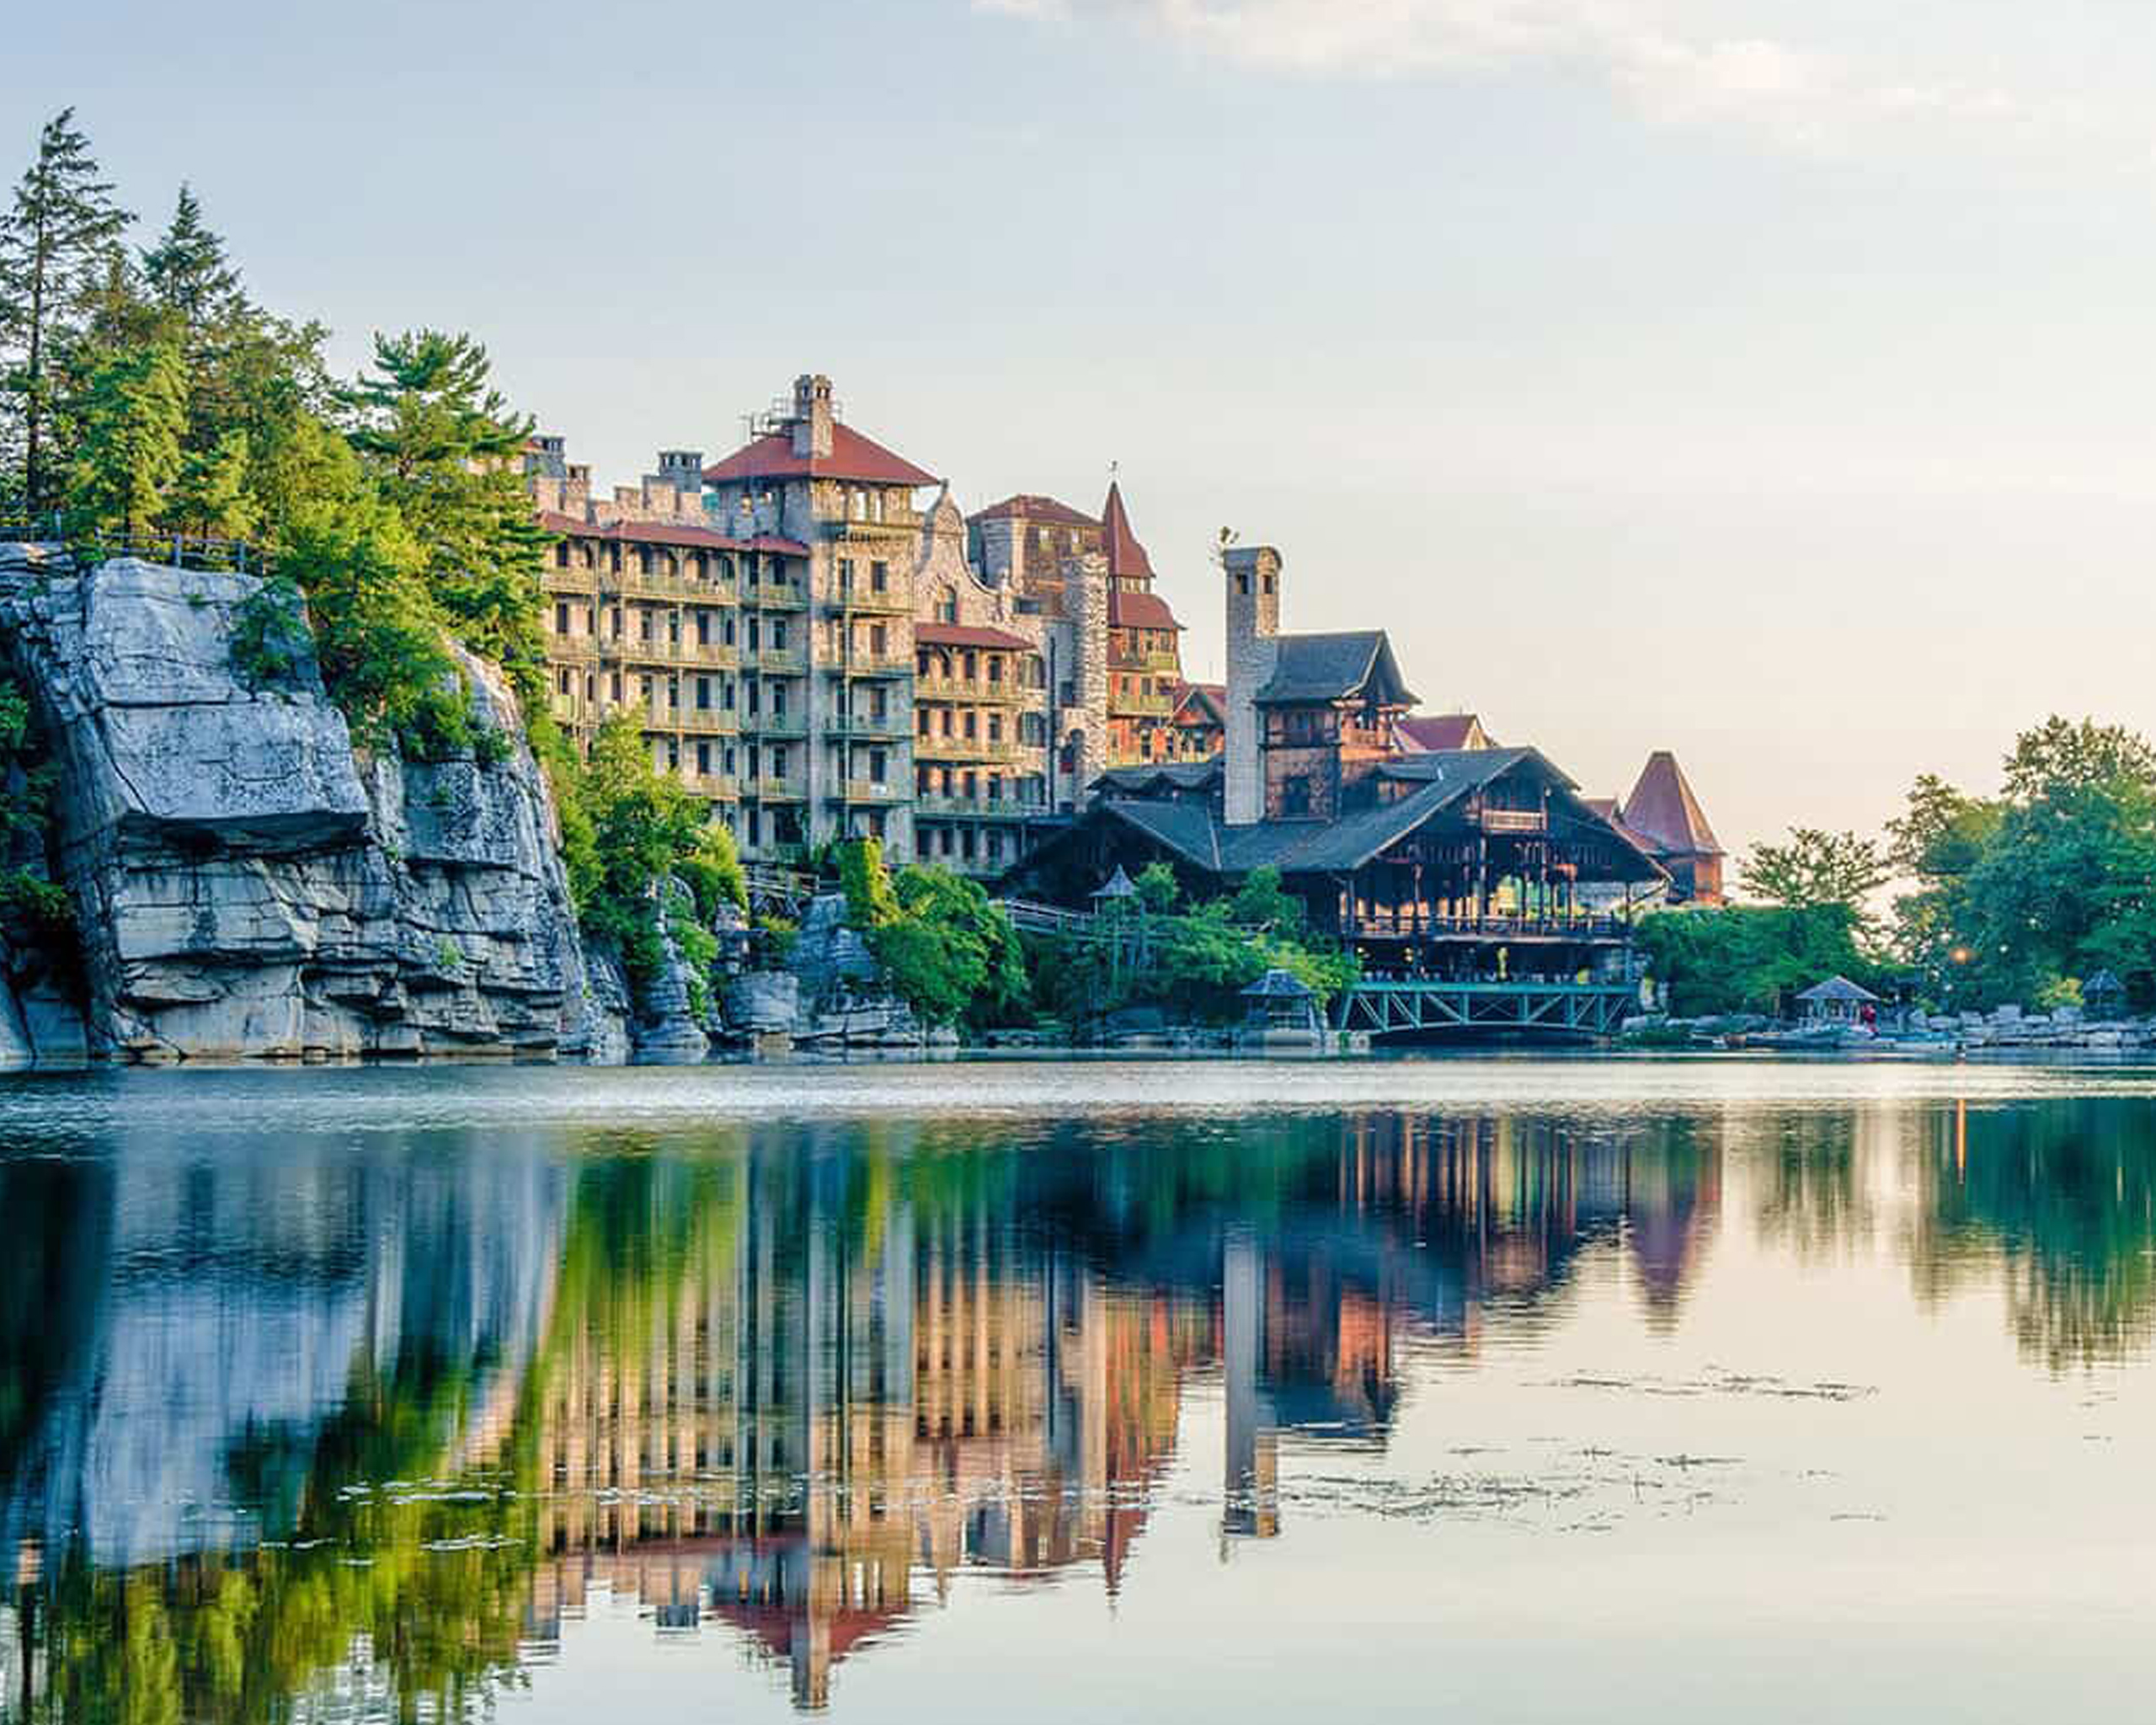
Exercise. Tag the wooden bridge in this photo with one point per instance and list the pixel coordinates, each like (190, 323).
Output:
(1389, 1008)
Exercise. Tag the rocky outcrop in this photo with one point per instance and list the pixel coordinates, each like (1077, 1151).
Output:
(248, 886)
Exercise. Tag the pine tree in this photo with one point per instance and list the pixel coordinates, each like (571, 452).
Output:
(446, 450)
(134, 412)
(188, 273)
(56, 246)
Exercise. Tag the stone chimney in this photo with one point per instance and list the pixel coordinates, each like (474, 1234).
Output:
(1253, 582)
(812, 416)
(1085, 603)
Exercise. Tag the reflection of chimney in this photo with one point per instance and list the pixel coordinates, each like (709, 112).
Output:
(1253, 581)
(1251, 1508)
(812, 416)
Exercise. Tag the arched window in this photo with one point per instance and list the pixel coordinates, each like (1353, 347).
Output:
(946, 604)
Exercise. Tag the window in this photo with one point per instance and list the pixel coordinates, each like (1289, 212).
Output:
(778, 700)
(995, 667)
(643, 622)
(879, 577)
(562, 681)
(778, 761)
(755, 630)
(877, 762)
(947, 604)
(703, 627)
(703, 694)
(996, 727)
(562, 555)
(729, 630)
(726, 694)
(1294, 796)
(778, 634)
(562, 617)
(704, 760)
(846, 575)
(920, 723)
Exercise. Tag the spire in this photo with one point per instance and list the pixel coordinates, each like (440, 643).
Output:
(1662, 808)
(1127, 557)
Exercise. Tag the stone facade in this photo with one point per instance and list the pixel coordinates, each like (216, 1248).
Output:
(1253, 575)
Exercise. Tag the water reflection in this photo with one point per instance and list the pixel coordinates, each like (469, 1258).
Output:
(363, 1426)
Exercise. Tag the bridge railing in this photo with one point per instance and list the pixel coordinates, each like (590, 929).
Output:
(185, 551)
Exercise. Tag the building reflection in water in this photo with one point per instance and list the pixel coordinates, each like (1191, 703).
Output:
(786, 1384)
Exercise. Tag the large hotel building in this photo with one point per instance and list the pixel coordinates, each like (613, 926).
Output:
(815, 640)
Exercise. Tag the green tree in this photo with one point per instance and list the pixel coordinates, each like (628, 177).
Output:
(1815, 867)
(949, 950)
(866, 882)
(1158, 890)
(447, 449)
(132, 417)
(187, 273)
(57, 244)
(1752, 958)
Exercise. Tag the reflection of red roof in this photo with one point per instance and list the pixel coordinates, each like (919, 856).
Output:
(665, 533)
(852, 456)
(1139, 611)
(1126, 556)
(967, 635)
(1662, 808)
(1025, 506)
(1447, 730)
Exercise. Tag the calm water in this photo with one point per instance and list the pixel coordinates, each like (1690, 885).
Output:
(1498, 1391)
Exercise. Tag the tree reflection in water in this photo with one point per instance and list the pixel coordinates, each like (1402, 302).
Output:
(790, 1380)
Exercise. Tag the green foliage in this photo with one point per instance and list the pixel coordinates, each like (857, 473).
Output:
(949, 951)
(127, 457)
(34, 913)
(712, 871)
(58, 241)
(271, 639)
(647, 831)
(1815, 867)
(2016, 898)
(866, 882)
(1194, 966)
(443, 448)
(1752, 958)
(1158, 888)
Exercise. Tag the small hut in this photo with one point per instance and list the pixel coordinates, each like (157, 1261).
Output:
(1838, 1000)
(1281, 1007)
(2103, 996)
(1118, 889)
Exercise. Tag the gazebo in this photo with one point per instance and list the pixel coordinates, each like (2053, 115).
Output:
(1280, 1000)
(2104, 994)
(1837, 1001)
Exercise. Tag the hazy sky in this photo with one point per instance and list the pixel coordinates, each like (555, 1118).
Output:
(1768, 381)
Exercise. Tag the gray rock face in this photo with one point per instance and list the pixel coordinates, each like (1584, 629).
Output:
(250, 887)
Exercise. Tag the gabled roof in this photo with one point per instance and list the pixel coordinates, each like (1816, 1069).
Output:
(852, 456)
(1335, 846)
(1335, 668)
(1126, 556)
(1139, 611)
(1447, 730)
(1839, 988)
(1029, 507)
(665, 533)
(968, 635)
(1208, 700)
(1278, 984)
(1148, 780)
(1661, 808)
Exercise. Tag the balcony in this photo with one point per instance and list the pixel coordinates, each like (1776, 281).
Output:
(974, 809)
(864, 790)
(627, 583)
(773, 596)
(1407, 925)
(775, 724)
(781, 661)
(893, 602)
(716, 787)
(1135, 706)
(1007, 692)
(873, 664)
(1514, 820)
(890, 728)
(894, 525)
(696, 721)
(775, 790)
(940, 748)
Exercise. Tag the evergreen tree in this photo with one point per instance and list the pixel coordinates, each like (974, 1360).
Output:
(57, 244)
(187, 271)
(134, 411)
(447, 452)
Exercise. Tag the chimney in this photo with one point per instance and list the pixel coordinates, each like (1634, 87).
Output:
(812, 416)
(1253, 582)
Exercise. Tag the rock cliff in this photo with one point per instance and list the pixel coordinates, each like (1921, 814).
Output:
(248, 886)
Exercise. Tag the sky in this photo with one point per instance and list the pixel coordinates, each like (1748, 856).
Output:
(1769, 382)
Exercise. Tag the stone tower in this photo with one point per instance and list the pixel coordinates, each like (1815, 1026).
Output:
(811, 417)
(1253, 585)
(1085, 602)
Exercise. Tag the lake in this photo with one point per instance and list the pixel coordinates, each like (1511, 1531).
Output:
(1515, 1390)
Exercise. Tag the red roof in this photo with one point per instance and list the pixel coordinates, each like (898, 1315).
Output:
(1213, 695)
(1126, 556)
(967, 635)
(1448, 730)
(1139, 611)
(1662, 808)
(852, 456)
(665, 533)
(1026, 507)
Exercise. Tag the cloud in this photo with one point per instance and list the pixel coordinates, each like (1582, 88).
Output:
(1671, 60)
